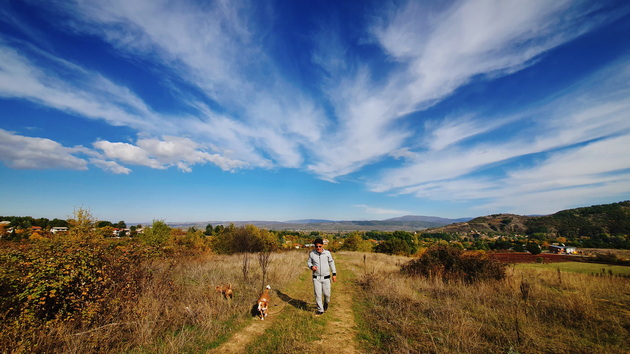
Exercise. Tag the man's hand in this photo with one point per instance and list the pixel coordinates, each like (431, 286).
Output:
(314, 268)
(334, 278)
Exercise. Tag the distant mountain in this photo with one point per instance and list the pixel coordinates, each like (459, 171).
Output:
(613, 219)
(431, 219)
(405, 223)
(307, 221)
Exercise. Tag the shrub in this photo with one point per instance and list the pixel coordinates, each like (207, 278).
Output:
(450, 263)
(606, 257)
(63, 280)
(533, 248)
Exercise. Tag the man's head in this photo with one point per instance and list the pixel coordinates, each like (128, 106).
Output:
(319, 245)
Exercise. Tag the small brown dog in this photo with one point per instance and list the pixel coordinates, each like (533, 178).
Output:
(263, 303)
(225, 290)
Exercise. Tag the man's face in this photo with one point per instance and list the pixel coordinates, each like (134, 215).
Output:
(319, 248)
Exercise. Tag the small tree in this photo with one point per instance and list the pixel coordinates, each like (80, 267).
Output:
(81, 226)
(352, 242)
(533, 248)
(156, 235)
(267, 244)
(104, 223)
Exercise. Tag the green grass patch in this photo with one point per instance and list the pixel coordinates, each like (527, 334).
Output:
(580, 267)
(231, 326)
(292, 331)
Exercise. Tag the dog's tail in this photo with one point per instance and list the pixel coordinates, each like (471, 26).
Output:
(268, 287)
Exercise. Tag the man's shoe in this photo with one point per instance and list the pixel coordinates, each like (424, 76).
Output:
(319, 313)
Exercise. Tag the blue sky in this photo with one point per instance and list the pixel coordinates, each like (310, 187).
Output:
(281, 110)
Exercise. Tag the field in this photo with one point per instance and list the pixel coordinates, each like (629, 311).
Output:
(532, 311)
(581, 267)
(554, 307)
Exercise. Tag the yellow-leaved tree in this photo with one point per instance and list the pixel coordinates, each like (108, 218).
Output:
(82, 226)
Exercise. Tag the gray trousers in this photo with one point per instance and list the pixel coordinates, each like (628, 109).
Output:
(321, 287)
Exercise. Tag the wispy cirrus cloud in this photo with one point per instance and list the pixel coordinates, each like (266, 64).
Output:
(266, 121)
(90, 95)
(68, 87)
(577, 140)
(562, 180)
(437, 50)
(261, 116)
(240, 108)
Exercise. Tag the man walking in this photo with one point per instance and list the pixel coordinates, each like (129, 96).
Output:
(320, 261)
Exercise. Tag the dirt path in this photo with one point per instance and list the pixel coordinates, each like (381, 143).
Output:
(241, 339)
(340, 328)
(340, 332)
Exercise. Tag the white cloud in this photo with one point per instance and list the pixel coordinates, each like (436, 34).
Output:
(127, 153)
(161, 154)
(110, 166)
(22, 152)
(449, 131)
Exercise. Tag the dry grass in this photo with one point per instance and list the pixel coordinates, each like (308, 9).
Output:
(532, 311)
(178, 310)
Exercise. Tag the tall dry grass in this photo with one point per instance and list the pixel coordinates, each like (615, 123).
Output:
(178, 309)
(529, 312)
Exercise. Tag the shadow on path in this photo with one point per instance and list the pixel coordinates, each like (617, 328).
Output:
(298, 304)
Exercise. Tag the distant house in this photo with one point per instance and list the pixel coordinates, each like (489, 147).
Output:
(56, 229)
(562, 249)
(117, 232)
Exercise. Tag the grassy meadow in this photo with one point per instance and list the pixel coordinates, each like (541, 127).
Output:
(534, 310)
(168, 304)
(580, 267)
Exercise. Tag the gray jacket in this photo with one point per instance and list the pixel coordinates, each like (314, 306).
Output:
(324, 262)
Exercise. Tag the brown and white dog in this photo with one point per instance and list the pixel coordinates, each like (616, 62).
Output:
(263, 303)
(225, 290)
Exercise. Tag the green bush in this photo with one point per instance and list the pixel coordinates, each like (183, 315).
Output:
(533, 248)
(450, 263)
(395, 246)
